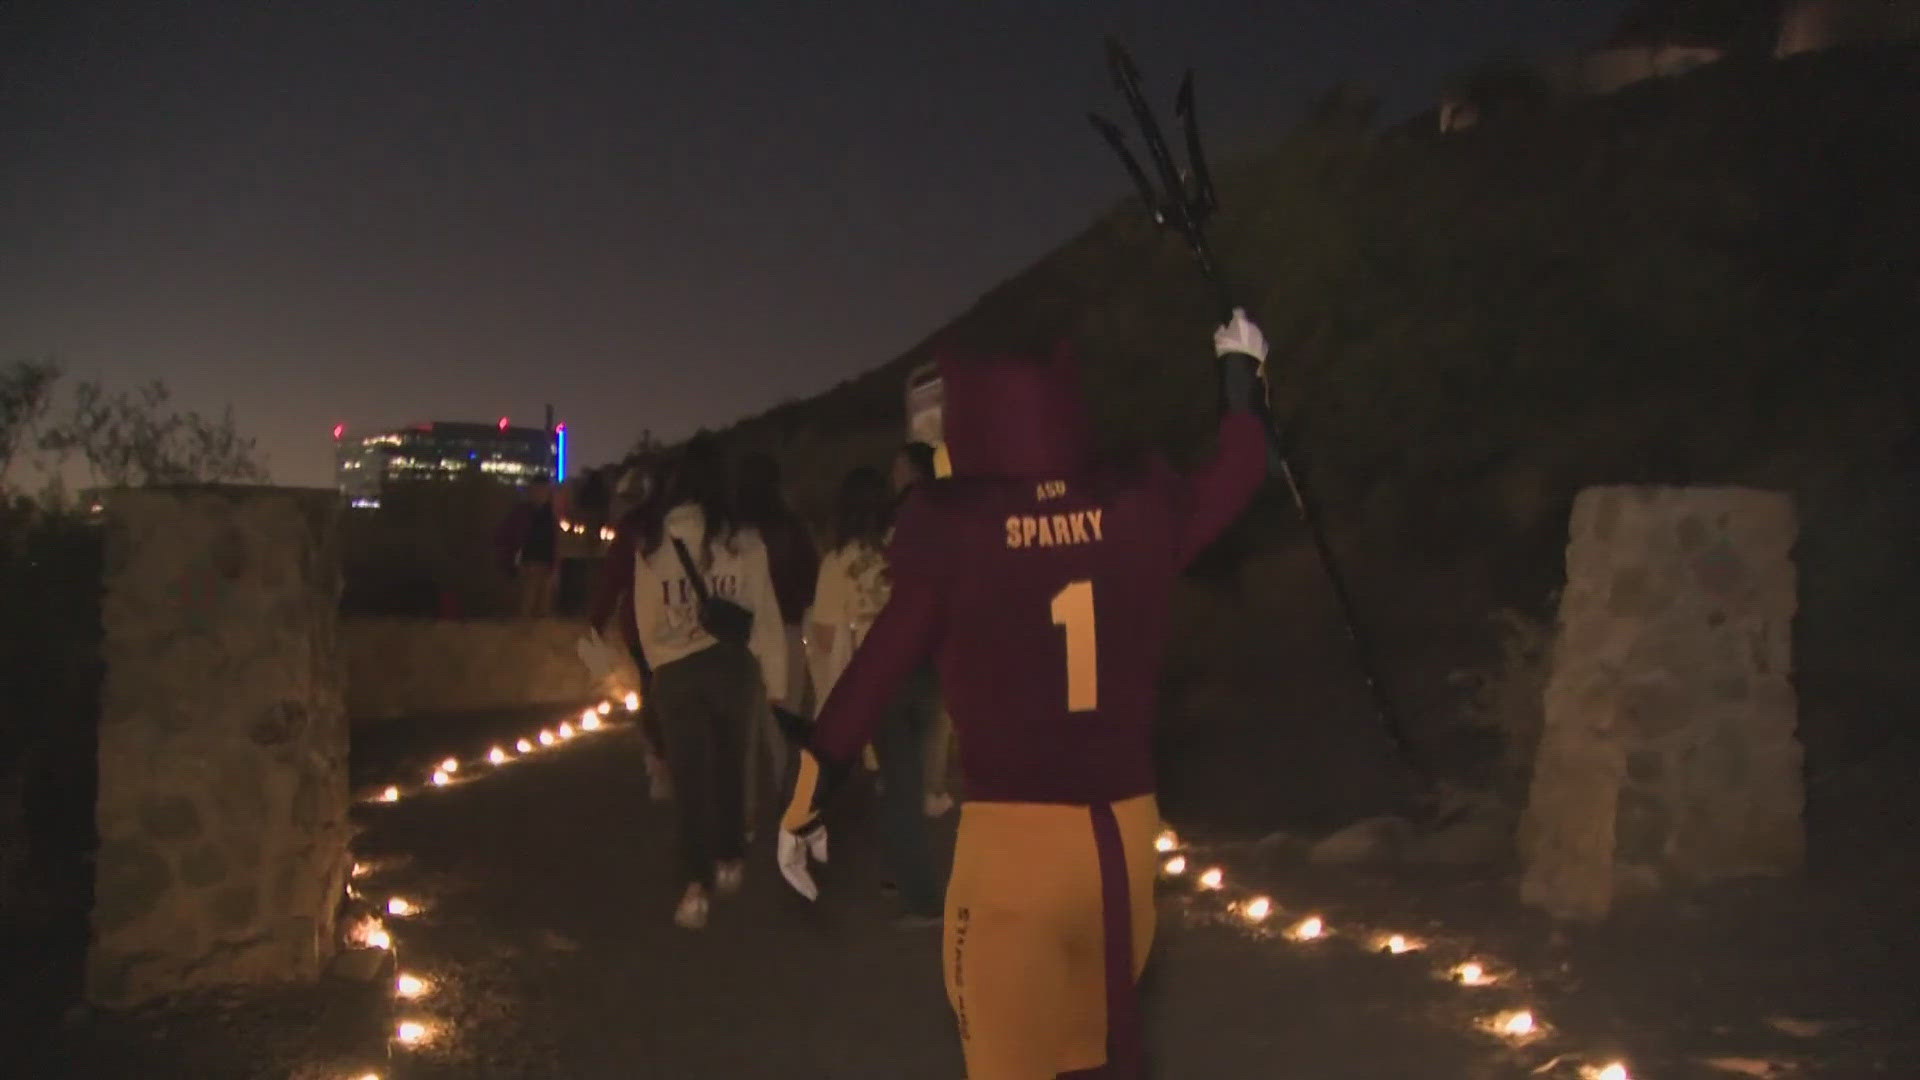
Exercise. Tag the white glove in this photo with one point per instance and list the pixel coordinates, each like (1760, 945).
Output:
(596, 654)
(792, 852)
(1242, 337)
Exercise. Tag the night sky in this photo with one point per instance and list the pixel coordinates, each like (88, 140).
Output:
(650, 215)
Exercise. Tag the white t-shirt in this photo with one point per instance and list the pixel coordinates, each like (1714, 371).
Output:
(852, 588)
(667, 613)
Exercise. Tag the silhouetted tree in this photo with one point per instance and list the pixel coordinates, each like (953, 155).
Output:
(135, 439)
(26, 390)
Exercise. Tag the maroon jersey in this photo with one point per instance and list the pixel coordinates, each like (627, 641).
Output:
(1045, 603)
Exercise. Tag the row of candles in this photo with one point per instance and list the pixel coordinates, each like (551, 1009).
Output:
(1520, 1026)
(1516, 1025)
(371, 933)
(580, 529)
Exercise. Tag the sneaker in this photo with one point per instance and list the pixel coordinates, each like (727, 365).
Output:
(728, 875)
(915, 921)
(692, 912)
(938, 805)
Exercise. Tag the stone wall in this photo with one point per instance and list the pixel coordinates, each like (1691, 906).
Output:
(407, 667)
(1669, 755)
(222, 806)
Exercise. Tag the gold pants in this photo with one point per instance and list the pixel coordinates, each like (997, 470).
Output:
(1026, 948)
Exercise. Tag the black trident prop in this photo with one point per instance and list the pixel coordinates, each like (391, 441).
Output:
(1184, 207)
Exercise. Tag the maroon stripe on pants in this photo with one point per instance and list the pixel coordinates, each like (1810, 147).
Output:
(1125, 1057)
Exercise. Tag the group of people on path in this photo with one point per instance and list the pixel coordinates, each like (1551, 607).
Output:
(691, 528)
(1028, 595)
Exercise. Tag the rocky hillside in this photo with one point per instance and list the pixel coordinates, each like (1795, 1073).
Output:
(1713, 279)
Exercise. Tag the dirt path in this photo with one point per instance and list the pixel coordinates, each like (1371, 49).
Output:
(549, 938)
(545, 934)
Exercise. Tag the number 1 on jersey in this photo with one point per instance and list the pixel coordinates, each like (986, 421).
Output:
(1073, 611)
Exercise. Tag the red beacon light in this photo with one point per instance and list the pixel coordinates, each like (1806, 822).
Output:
(503, 423)
(339, 430)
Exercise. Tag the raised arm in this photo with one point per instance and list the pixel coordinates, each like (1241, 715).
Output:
(1219, 492)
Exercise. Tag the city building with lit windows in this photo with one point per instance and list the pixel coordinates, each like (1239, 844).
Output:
(365, 465)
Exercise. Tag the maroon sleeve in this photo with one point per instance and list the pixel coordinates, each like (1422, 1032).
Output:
(899, 642)
(1214, 496)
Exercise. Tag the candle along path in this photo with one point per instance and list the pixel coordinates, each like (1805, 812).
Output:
(1517, 1025)
(370, 932)
(1520, 1025)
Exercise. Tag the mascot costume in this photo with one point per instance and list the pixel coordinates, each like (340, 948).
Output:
(1040, 583)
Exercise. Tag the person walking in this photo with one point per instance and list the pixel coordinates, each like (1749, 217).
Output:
(795, 564)
(529, 544)
(709, 621)
(853, 590)
(1042, 580)
(613, 603)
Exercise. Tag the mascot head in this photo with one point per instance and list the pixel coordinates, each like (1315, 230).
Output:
(1014, 416)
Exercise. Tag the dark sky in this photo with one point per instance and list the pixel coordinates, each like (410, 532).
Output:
(651, 215)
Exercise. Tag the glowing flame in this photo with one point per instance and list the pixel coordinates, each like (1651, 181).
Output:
(566, 731)
(1309, 928)
(633, 702)
(1213, 878)
(1612, 1071)
(586, 716)
(1258, 908)
(591, 723)
(412, 1033)
(1166, 842)
(1472, 973)
(370, 933)
(440, 778)
(1396, 944)
(1176, 866)
(497, 756)
(450, 766)
(402, 907)
(1516, 1025)
(523, 746)
(605, 708)
(392, 794)
(411, 986)
(361, 869)
(547, 739)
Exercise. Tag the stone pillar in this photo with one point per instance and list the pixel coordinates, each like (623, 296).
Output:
(223, 742)
(1668, 755)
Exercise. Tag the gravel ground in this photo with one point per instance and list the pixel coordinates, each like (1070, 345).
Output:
(546, 934)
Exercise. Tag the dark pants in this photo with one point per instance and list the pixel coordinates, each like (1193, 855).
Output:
(649, 716)
(705, 703)
(901, 744)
